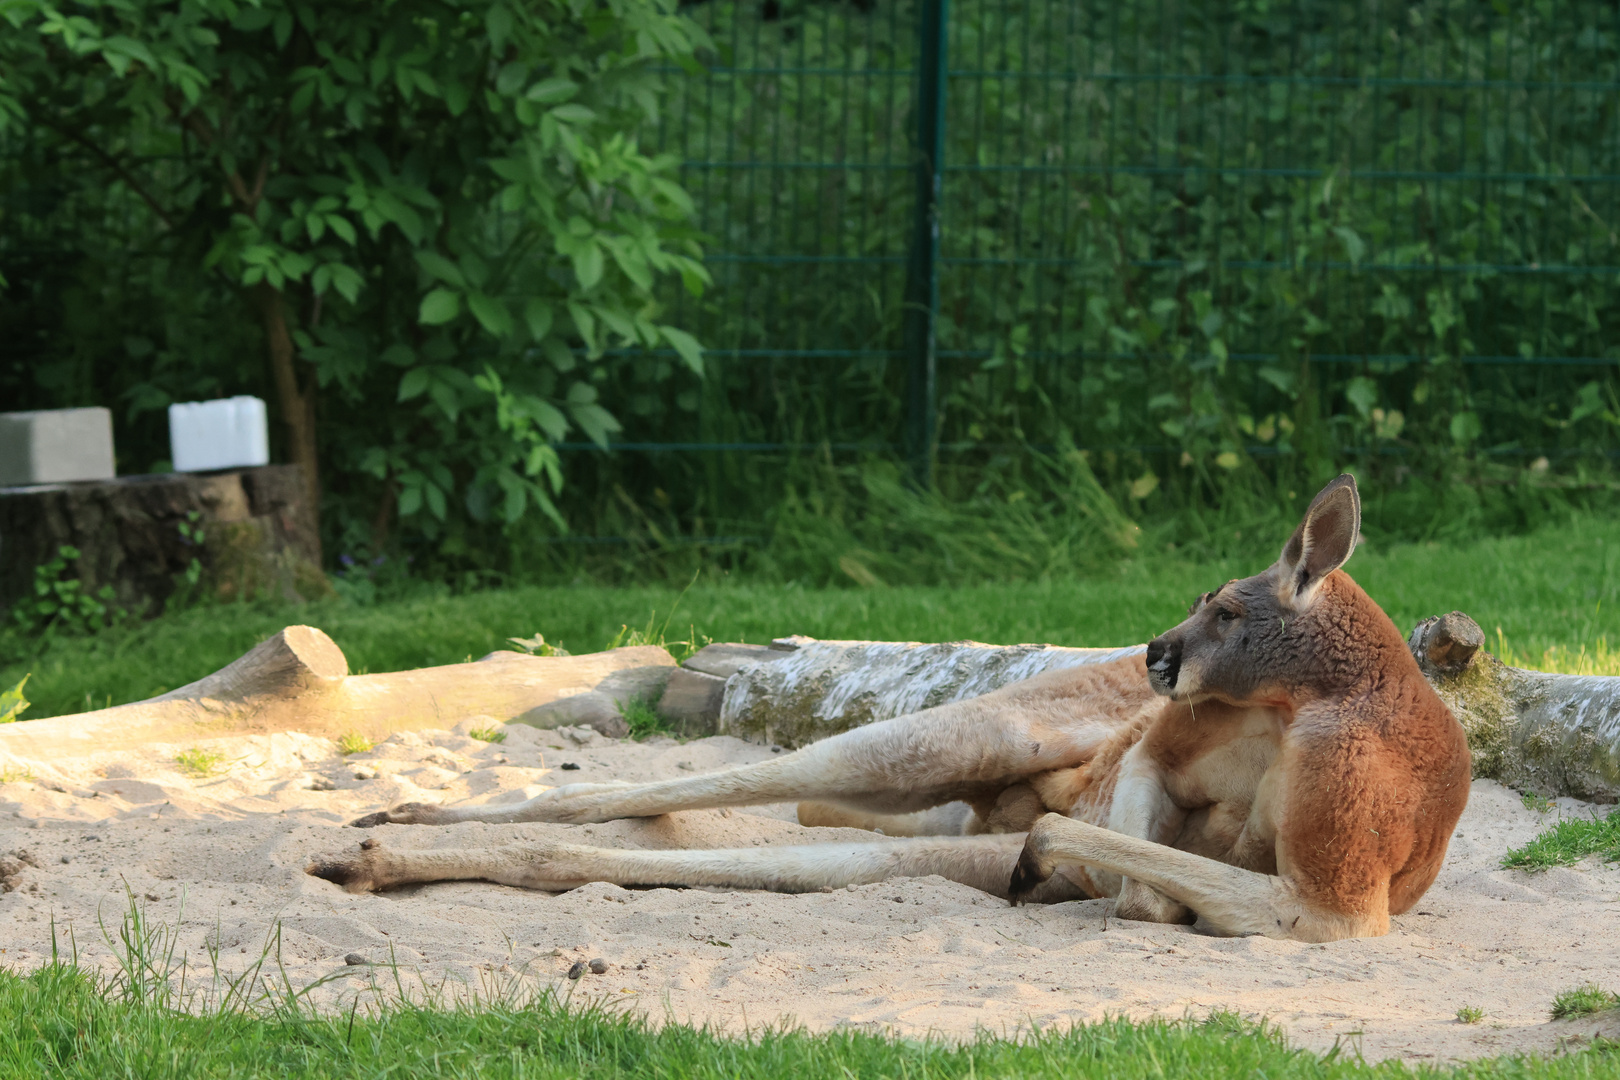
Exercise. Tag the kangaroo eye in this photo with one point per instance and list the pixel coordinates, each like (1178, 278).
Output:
(1227, 615)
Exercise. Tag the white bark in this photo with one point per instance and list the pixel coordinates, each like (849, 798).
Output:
(824, 687)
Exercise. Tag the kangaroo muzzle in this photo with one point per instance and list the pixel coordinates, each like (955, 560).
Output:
(1163, 665)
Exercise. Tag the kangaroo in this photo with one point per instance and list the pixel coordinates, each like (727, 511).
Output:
(1275, 765)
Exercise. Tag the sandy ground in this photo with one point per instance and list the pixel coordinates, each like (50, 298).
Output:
(220, 860)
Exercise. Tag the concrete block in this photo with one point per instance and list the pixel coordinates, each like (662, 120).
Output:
(55, 446)
(224, 434)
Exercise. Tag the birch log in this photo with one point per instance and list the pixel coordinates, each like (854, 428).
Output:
(1551, 734)
(298, 680)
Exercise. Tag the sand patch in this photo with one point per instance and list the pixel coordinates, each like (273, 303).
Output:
(914, 957)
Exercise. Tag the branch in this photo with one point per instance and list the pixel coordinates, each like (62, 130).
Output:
(118, 167)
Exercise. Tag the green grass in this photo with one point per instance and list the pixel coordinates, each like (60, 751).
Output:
(1470, 1014)
(1582, 1001)
(1568, 842)
(352, 742)
(1552, 594)
(199, 763)
(57, 1022)
(488, 734)
(643, 719)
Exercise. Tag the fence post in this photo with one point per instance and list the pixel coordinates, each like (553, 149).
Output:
(922, 279)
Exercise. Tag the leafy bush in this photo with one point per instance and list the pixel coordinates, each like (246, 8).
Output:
(61, 604)
(437, 215)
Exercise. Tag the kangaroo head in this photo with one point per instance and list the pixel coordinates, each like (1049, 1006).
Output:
(1256, 639)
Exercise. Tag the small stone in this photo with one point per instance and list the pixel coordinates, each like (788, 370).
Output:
(569, 766)
(321, 783)
(598, 966)
(354, 959)
(899, 899)
(152, 896)
(577, 970)
(370, 842)
(65, 859)
(365, 772)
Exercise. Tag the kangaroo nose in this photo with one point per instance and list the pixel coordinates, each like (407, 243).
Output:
(1156, 651)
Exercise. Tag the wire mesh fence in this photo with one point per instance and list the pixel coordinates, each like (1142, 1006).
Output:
(1166, 228)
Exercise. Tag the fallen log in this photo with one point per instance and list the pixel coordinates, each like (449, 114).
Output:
(1535, 731)
(299, 680)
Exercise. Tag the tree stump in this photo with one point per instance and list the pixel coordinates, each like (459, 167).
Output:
(259, 535)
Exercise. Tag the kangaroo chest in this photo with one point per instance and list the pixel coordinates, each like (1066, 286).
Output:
(1232, 792)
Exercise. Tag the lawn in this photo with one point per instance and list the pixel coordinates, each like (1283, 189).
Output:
(56, 1022)
(1551, 594)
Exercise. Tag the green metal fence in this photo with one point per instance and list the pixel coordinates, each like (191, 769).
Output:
(1158, 228)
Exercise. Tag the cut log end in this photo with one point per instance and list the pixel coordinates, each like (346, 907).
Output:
(1446, 644)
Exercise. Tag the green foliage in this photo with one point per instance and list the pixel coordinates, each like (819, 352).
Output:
(352, 742)
(12, 702)
(488, 734)
(643, 719)
(536, 645)
(1539, 803)
(1583, 1001)
(444, 207)
(199, 763)
(61, 604)
(1567, 843)
(1470, 1014)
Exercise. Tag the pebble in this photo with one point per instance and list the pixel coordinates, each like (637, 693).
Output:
(65, 859)
(354, 959)
(598, 966)
(321, 783)
(365, 773)
(577, 970)
(569, 766)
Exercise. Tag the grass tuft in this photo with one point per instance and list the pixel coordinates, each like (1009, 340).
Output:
(1567, 843)
(488, 734)
(352, 742)
(199, 763)
(1583, 1001)
(1470, 1014)
(1539, 803)
(643, 719)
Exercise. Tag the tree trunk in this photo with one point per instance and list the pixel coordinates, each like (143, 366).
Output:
(297, 404)
(260, 535)
(298, 680)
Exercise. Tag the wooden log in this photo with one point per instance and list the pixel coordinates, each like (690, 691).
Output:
(298, 680)
(259, 535)
(1535, 731)
(823, 687)
(1548, 733)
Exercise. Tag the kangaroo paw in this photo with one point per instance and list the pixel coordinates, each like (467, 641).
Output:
(356, 871)
(1028, 875)
(404, 814)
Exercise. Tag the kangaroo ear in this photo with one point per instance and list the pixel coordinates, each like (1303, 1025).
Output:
(1321, 544)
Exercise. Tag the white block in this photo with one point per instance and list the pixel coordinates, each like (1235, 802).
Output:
(55, 446)
(223, 434)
